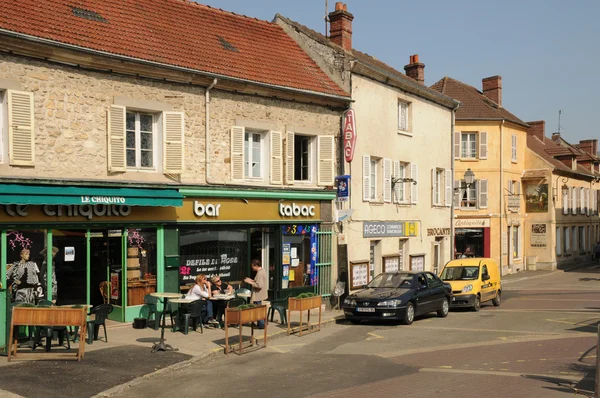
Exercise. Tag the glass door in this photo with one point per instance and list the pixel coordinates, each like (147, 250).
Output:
(106, 270)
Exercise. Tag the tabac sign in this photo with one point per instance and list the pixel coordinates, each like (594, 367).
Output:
(349, 135)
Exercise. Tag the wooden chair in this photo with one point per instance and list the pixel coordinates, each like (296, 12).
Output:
(104, 291)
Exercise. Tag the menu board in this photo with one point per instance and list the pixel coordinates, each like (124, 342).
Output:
(417, 263)
(359, 274)
(390, 264)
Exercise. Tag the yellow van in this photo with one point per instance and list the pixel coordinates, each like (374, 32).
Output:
(474, 281)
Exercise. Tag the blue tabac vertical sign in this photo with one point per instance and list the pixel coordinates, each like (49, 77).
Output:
(343, 188)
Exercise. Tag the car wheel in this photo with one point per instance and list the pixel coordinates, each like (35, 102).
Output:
(477, 304)
(409, 314)
(443, 311)
(496, 300)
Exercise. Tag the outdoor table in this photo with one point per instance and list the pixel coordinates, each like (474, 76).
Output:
(162, 346)
(220, 301)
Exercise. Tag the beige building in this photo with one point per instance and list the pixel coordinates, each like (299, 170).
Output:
(566, 232)
(489, 216)
(401, 172)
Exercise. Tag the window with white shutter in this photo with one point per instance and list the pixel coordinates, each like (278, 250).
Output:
(582, 209)
(468, 148)
(403, 116)
(326, 149)
(448, 181)
(238, 145)
(387, 180)
(173, 133)
(414, 187)
(565, 201)
(400, 188)
(513, 157)
(457, 144)
(574, 200)
(437, 187)
(366, 169)
(457, 193)
(276, 166)
(483, 145)
(116, 139)
(289, 158)
(434, 188)
(21, 129)
(483, 194)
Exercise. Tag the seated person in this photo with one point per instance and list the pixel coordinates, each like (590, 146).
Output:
(202, 291)
(220, 287)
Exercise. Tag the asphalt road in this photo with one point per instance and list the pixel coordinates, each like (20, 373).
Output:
(544, 333)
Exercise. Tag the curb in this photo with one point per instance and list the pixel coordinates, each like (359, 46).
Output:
(183, 364)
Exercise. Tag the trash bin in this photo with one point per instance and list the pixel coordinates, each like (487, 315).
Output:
(140, 323)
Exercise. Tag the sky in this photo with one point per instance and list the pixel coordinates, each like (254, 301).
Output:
(547, 51)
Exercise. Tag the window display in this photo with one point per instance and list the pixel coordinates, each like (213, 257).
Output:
(299, 256)
(23, 275)
(141, 264)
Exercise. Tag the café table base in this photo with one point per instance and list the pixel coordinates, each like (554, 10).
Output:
(162, 346)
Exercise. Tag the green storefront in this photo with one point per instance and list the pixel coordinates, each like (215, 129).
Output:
(116, 245)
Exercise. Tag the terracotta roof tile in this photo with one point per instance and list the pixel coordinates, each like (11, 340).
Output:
(547, 148)
(175, 32)
(474, 105)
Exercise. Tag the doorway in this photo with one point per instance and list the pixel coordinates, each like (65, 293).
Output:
(106, 265)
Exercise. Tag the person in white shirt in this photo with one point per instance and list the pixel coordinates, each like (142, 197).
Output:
(202, 291)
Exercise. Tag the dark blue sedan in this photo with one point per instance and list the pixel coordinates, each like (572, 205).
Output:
(399, 296)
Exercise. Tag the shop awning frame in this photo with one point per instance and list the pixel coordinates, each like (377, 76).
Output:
(23, 194)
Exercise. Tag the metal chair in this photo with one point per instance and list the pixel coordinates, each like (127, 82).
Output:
(101, 314)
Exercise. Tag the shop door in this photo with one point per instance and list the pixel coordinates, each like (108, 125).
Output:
(106, 270)
(262, 247)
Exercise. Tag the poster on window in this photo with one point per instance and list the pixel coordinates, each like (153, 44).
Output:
(538, 235)
(69, 253)
(223, 265)
(417, 263)
(359, 274)
(536, 198)
(390, 264)
(114, 286)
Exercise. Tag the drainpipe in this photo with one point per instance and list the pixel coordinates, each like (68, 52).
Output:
(501, 212)
(452, 126)
(207, 136)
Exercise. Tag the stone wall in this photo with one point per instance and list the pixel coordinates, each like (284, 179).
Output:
(71, 107)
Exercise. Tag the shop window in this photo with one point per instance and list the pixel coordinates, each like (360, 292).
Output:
(69, 267)
(213, 251)
(24, 271)
(141, 140)
(468, 243)
(141, 264)
(299, 256)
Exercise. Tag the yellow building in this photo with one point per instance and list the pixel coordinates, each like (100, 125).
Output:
(489, 214)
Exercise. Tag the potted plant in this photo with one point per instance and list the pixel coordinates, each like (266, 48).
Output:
(304, 302)
(246, 313)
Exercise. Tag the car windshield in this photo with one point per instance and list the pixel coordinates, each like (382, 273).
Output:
(460, 273)
(389, 280)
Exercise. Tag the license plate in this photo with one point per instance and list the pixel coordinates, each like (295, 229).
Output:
(365, 309)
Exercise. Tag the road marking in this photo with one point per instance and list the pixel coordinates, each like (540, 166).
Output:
(577, 377)
(445, 367)
(276, 347)
(375, 336)
(521, 360)
(591, 325)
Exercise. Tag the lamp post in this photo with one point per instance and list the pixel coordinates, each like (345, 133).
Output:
(469, 178)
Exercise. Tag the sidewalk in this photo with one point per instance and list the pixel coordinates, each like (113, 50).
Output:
(525, 275)
(126, 359)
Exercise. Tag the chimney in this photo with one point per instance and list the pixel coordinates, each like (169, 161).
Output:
(340, 26)
(555, 137)
(415, 69)
(537, 129)
(589, 146)
(492, 88)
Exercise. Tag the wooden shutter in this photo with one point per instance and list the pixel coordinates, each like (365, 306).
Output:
(565, 199)
(116, 139)
(238, 134)
(457, 136)
(483, 193)
(387, 180)
(173, 133)
(366, 178)
(276, 165)
(448, 180)
(21, 138)
(414, 188)
(433, 187)
(514, 148)
(574, 201)
(457, 192)
(397, 185)
(326, 150)
(581, 200)
(483, 146)
(289, 158)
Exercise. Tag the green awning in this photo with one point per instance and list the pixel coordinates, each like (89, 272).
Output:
(22, 194)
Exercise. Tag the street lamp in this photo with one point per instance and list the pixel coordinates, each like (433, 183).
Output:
(469, 178)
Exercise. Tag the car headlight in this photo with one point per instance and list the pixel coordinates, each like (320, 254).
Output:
(389, 303)
(467, 288)
(349, 301)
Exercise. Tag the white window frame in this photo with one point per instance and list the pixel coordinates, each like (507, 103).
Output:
(464, 190)
(375, 164)
(402, 186)
(264, 159)
(468, 149)
(438, 186)
(3, 126)
(513, 156)
(312, 156)
(403, 115)
(156, 140)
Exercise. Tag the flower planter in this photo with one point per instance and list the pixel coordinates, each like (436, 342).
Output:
(301, 304)
(240, 317)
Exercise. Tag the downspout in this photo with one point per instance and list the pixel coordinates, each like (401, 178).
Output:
(207, 136)
(452, 127)
(501, 212)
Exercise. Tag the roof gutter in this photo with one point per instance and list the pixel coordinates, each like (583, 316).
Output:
(73, 47)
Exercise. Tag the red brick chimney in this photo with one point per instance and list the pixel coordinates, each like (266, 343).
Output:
(415, 69)
(589, 146)
(340, 26)
(492, 88)
(537, 129)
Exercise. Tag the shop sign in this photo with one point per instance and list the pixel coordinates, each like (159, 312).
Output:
(438, 231)
(293, 210)
(343, 188)
(211, 265)
(210, 210)
(103, 200)
(472, 223)
(514, 202)
(538, 235)
(87, 211)
(349, 135)
(381, 229)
